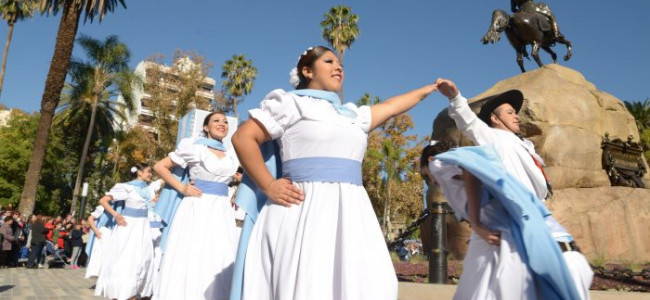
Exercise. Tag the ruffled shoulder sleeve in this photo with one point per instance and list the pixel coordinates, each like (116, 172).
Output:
(120, 191)
(364, 116)
(277, 112)
(185, 153)
(99, 210)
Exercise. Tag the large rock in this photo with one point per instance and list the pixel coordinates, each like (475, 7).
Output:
(566, 117)
(609, 223)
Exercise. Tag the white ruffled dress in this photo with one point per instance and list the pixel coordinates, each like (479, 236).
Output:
(200, 253)
(97, 253)
(127, 268)
(331, 245)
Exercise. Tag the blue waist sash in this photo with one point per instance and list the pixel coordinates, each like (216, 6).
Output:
(156, 224)
(211, 187)
(325, 169)
(135, 213)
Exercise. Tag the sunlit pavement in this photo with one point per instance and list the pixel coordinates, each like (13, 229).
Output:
(23, 284)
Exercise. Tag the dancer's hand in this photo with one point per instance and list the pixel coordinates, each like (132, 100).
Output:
(490, 236)
(98, 234)
(191, 191)
(119, 219)
(447, 87)
(283, 192)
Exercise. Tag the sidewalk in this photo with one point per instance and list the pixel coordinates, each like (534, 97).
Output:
(37, 284)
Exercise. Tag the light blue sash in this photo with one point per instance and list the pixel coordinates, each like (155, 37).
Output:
(105, 220)
(135, 213)
(251, 199)
(324, 169)
(526, 217)
(211, 143)
(211, 187)
(331, 97)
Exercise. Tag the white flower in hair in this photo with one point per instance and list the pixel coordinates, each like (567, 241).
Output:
(134, 169)
(433, 143)
(293, 77)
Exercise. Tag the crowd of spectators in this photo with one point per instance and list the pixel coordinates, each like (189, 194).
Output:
(41, 241)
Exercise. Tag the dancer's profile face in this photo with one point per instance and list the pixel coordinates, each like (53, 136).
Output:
(505, 117)
(326, 73)
(217, 127)
(145, 174)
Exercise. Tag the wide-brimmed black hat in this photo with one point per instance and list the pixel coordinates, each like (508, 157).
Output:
(513, 97)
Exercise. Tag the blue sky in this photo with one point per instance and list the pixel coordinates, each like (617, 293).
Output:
(403, 45)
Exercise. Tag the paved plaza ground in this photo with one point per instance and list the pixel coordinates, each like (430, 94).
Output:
(28, 284)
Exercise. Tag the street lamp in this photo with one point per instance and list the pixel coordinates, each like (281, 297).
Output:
(84, 193)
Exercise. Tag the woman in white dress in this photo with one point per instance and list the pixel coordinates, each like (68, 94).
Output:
(95, 248)
(127, 269)
(305, 243)
(198, 259)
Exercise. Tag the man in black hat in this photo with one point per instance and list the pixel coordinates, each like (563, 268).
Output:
(497, 124)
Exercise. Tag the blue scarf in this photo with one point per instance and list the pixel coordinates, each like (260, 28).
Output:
(525, 215)
(211, 143)
(330, 97)
(141, 188)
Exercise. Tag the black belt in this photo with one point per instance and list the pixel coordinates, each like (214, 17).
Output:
(568, 246)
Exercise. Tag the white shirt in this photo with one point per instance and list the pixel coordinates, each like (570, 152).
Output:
(516, 154)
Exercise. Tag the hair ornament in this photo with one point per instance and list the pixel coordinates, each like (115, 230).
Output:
(134, 169)
(433, 142)
(293, 77)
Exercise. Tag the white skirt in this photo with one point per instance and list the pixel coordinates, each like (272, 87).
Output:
(199, 257)
(127, 269)
(97, 253)
(494, 272)
(328, 247)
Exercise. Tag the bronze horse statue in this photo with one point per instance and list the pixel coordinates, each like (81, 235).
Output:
(526, 28)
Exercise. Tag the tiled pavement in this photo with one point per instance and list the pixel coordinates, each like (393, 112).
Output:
(28, 284)
(37, 284)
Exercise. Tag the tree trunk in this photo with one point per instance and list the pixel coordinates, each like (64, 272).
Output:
(234, 106)
(84, 154)
(4, 56)
(386, 209)
(51, 97)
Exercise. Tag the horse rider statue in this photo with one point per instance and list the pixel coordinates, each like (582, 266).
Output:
(540, 8)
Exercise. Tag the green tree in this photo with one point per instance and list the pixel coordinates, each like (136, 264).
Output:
(13, 11)
(340, 29)
(641, 112)
(71, 11)
(15, 150)
(95, 86)
(238, 74)
(173, 91)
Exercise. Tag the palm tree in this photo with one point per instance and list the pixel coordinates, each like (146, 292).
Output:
(641, 113)
(239, 74)
(393, 166)
(13, 11)
(340, 29)
(94, 83)
(71, 11)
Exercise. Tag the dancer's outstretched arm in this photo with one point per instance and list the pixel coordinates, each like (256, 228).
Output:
(396, 105)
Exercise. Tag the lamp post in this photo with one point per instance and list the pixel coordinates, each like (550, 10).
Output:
(438, 255)
(84, 193)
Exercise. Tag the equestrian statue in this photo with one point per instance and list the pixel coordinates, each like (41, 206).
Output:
(531, 24)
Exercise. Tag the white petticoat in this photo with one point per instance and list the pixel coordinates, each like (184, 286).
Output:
(127, 268)
(328, 247)
(97, 253)
(200, 253)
